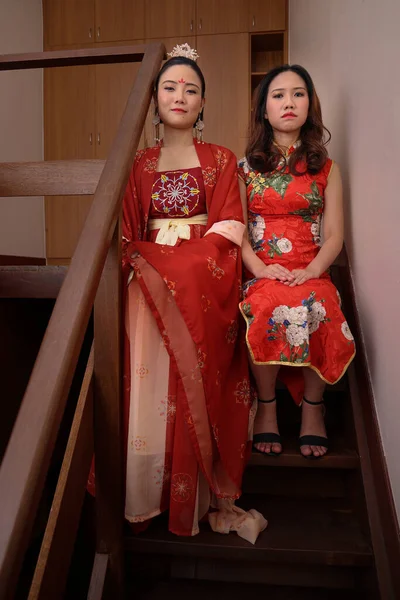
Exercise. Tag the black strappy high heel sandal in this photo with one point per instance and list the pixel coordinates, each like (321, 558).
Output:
(313, 440)
(267, 438)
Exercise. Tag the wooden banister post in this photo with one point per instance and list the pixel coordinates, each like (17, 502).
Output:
(107, 416)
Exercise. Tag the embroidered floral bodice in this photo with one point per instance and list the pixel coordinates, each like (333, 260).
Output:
(178, 194)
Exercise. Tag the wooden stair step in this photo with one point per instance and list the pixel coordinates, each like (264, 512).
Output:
(213, 590)
(299, 532)
(340, 456)
(31, 281)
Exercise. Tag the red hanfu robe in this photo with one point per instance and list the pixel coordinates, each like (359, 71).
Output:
(193, 291)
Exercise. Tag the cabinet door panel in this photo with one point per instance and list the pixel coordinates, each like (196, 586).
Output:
(267, 15)
(224, 60)
(69, 126)
(119, 20)
(113, 85)
(65, 217)
(223, 16)
(170, 18)
(68, 22)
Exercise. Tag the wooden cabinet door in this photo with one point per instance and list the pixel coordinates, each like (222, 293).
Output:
(170, 18)
(68, 22)
(119, 20)
(223, 16)
(69, 132)
(267, 15)
(113, 85)
(224, 60)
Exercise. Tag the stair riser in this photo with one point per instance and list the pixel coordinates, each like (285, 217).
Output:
(329, 577)
(298, 483)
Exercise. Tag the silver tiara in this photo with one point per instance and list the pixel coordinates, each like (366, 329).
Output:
(183, 50)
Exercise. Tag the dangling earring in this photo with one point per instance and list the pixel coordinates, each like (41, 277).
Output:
(156, 122)
(199, 127)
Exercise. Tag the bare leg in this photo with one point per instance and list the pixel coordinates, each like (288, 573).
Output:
(265, 421)
(312, 417)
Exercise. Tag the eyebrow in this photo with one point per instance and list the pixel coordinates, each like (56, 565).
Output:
(284, 89)
(175, 82)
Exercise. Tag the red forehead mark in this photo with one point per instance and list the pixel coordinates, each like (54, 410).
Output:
(181, 80)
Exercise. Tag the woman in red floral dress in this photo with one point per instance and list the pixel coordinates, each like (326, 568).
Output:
(186, 386)
(291, 308)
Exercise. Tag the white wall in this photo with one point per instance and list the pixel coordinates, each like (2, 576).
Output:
(22, 229)
(352, 50)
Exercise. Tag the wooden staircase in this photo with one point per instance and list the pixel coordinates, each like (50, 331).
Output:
(332, 525)
(315, 538)
(318, 542)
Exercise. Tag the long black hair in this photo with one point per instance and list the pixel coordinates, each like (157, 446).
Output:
(261, 153)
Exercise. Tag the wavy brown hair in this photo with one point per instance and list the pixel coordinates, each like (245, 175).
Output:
(262, 155)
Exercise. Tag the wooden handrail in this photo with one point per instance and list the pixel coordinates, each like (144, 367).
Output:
(26, 460)
(72, 58)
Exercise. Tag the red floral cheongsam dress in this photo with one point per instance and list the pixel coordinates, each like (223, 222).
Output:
(303, 325)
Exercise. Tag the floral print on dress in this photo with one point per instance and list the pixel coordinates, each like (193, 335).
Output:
(277, 181)
(232, 332)
(201, 363)
(346, 331)
(243, 392)
(243, 166)
(176, 192)
(209, 176)
(139, 154)
(167, 408)
(315, 204)
(278, 246)
(150, 165)
(295, 326)
(316, 230)
(171, 286)
(246, 309)
(222, 159)
(162, 476)
(256, 231)
(142, 371)
(205, 303)
(216, 271)
(182, 487)
(138, 444)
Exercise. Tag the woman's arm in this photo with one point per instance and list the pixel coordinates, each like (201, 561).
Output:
(251, 261)
(332, 231)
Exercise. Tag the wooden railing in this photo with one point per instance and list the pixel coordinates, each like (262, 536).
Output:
(93, 280)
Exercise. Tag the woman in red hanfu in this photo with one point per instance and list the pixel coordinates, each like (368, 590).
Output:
(186, 389)
(291, 308)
